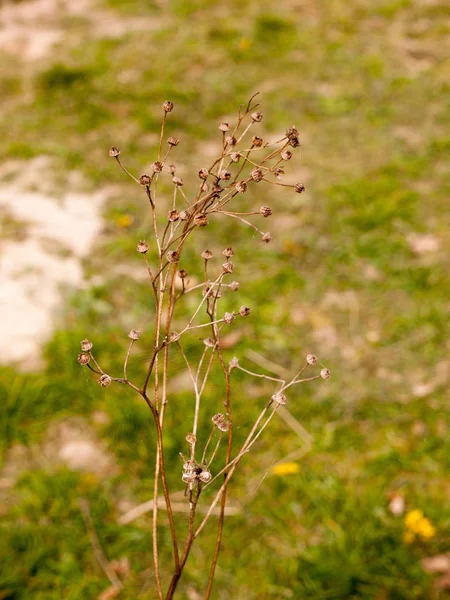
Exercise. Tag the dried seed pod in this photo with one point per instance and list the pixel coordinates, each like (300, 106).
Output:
(172, 169)
(234, 157)
(280, 398)
(84, 358)
(267, 237)
(228, 267)
(145, 180)
(278, 172)
(177, 181)
(205, 476)
(234, 363)
(173, 216)
(182, 274)
(225, 175)
(299, 188)
(311, 359)
(173, 256)
(228, 252)
(257, 142)
(191, 438)
(256, 175)
(114, 151)
(234, 286)
(286, 155)
(86, 345)
(228, 318)
(220, 422)
(184, 215)
(325, 373)
(157, 167)
(292, 131)
(231, 140)
(142, 246)
(206, 254)
(265, 211)
(134, 334)
(209, 342)
(244, 311)
(241, 186)
(294, 141)
(172, 141)
(203, 173)
(224, 127)
(105, 380)
(200, 220)
(257, 117)
(167, 106)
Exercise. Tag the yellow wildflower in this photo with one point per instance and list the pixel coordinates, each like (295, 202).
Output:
(124, 221)
(412, 518)
(418, 525)
(287, 468)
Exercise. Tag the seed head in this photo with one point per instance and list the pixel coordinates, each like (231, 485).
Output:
(228, 252)
(86, 345)
(244, 311)
(167, 106)
(286, 155)
(142, 246)
(265, 211)
(299, 188)
(177, 181)
(173, 256)
(182, 274)
(234, 286)
(256, 175)
(228, 318)
(267, 237)
(220, 422)
(200, 220)
(231, 140)
(114, 151)
(206, 254)
(84, 358)
(184, 215)
(205, 476)
(257, 142)
(105, 380)
(134, 334)
(257, 117)
(241, 186)
(191, 438)
(225, 175)
(145, 180)
(235, 156)
(209, 342)
(174, 215)
(311, 359)
(172, 169)
(157, 167)
(325, 373)
(228, 267)
(234, 363)
(290, 131)
(294, 141)
(172, 141)
(278, 172)
(224, 127)
(279, 398)
(203, 173)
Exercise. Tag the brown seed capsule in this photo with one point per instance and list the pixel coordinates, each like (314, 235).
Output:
(182, 274)
(209, 342)
(265, 211)
(83, 358)
(134, 334)
(241, 186)
(157, 167)
(279, 398)
(311, 359)
(172, 169)
(177, 181)
(142, 246)
(191, 438)
(203, 173)
(294, 141)
(206, 254)
(173, 256)
(286, 155)
(205, 476)
(167, 106)
(234, 363)
(231, 140)
(235, 156)
(225, 175)
(257, 117)
(228, 318)
(220, 422)
(224, 127)
(325, 373)
(184, 215)
(173, 216)
(86, 345)
(244, 311)
(234, 286)
(278, 172)
(113, 152)
(228, 267)
(267, 237)
(256, 175)
(145, 180)
(172, 141)
(105, 380)
(200, 220)
(290, 131)
(299, 188)
(257, 142)
(228, 252)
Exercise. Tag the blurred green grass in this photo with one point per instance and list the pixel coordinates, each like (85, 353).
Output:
(367, 85)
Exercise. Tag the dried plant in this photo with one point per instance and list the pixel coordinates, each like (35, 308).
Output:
(242, 162)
